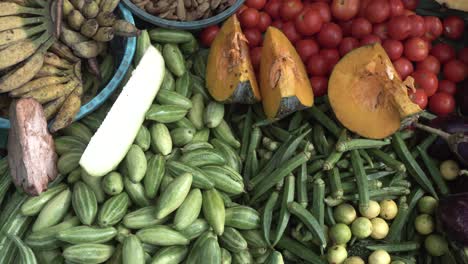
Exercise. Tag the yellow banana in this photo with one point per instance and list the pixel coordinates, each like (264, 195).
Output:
(9, 9)
(70, 37)
(12, 22)
(17, 34)
(67, 8)
(54, 60)
(23, 74)
(52, 108)
(50, 93)
(39, 83)
(49, 70)
(22, 50)
(67, 112)
(63, 51)
(75, 19)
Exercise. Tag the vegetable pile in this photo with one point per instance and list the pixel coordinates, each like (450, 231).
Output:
(44, 47)
(325, 31)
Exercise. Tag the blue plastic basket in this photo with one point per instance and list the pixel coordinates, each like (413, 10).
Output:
(189, 25)
(123, 49)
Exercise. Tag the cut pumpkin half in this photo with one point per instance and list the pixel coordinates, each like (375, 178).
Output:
(284, 84)
(367, 94)
(230, 77)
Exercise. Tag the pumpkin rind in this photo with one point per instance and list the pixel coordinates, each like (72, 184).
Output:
(284, 84)
(367, 94)
(230, 77)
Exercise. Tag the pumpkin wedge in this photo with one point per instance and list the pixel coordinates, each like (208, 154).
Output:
(284, 84)
(230, 77)
(367, 94)
(455, 4)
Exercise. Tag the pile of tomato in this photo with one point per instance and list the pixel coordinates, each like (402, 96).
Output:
(323, 31)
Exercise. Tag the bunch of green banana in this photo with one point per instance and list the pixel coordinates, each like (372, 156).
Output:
(91, 23)
(26, 33)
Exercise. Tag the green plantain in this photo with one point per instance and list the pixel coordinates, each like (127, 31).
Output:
(125, 29)
(50, 93)
(89, 28)
(67, 8)
(50, 109)
(104, 34)
(22, 50)
(68, 111)
(14, 35)
(23, 74)
(11, 9)
(75, 19)
(54, 60)
(49, 70)
(90, 9)
(39, 83)
(70, 37)
(87, 49)
(106, 19)
(12, 22)
(63, 51)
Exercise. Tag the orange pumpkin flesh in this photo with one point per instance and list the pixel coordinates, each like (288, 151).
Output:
(284, 84)
(367, 95)
(230, 77)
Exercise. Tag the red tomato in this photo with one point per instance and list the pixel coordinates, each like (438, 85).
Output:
(319, 85)
(346, 27)
(433, 27)
(309, 22)
(257, 4)
(272, 7)
(332, 56)
(347, 45)
(426, 80)
(396, 7)
(370, 39)
(455, 71)
(442, 104)
(394, 48)
(446, 86)
(249, 18)
(306, 48)
(360, 27)
(290, 31)
(208, 34)
(418, 97)
(418, 27)
(255, 57)
(324, 10)
(277, 24)
(404, 67)
(344, 9)
(290, 9)
(264, 21)
(242, 8)
(443, 52)
(453, 27)
(362, 7)
(463, 55)
(380, 30)
(399, 27)
(410, 4)
(330, 35)
(378, 11)
(254, 36)
(430, 63)
(416, 49)
(317, 65)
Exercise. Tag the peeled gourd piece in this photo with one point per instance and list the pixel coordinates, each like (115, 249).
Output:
(230, 77)
(367, 94)
(284, 83)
